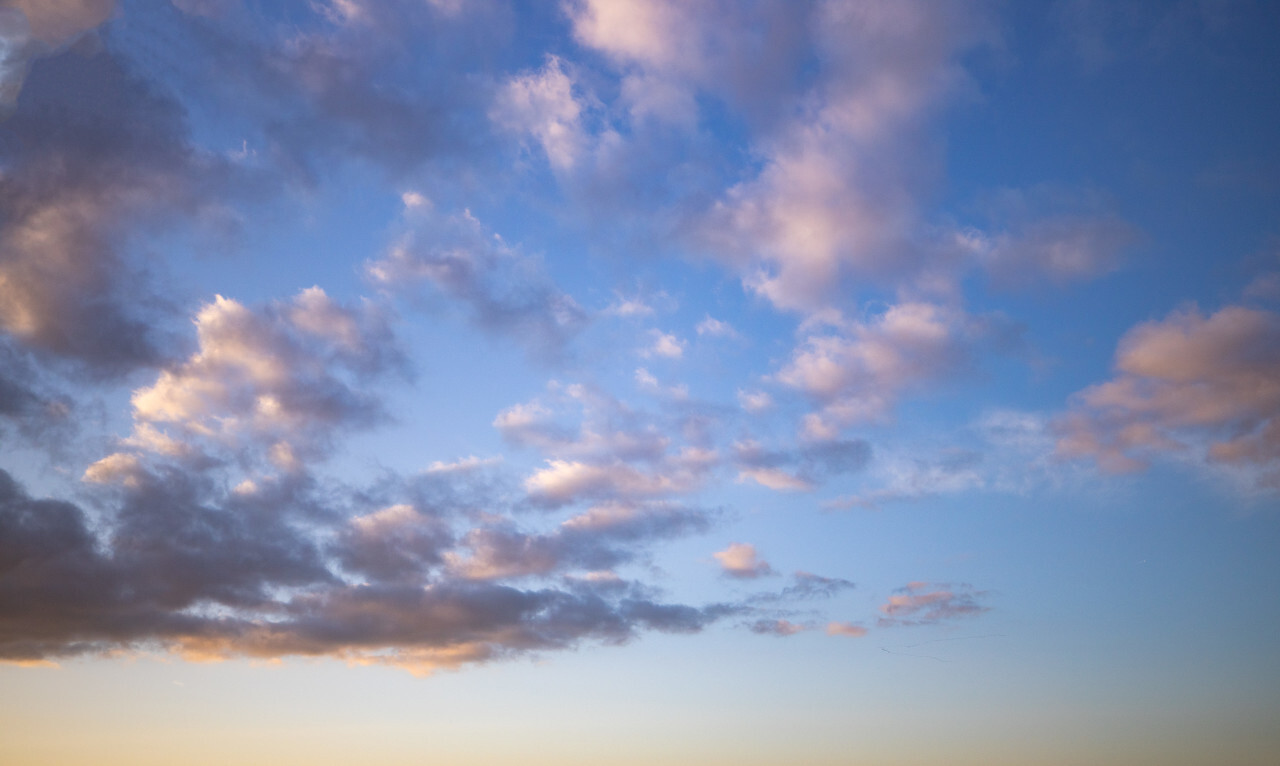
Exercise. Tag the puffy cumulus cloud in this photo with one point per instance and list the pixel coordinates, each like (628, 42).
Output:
(542, 105)
(181, 566)
(285, 375)
(923, 603)
(503, 291)
(668, 51)
(741, 560)
(610, 452)
(399, 543)
(664, 346)
(563, 482)
(583, 423)
(858, 370)
(837, 193)
(31, 29)
(847, 629)
(94, 155)
(1185, 381)
(603, 537)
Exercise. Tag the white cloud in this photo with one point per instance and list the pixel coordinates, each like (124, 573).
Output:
(542, 105)
(664, 345)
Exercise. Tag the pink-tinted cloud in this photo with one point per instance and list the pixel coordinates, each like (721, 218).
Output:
(1186, 382)
(922, 603)
(741, 560)
(859, 369)
(847, 629)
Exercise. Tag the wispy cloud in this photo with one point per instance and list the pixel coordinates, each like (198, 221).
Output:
(923, 603)
(502, 290)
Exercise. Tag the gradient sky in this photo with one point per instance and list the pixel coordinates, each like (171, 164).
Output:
(639, 381)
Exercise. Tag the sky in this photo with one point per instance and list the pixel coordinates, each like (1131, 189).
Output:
(633, 381)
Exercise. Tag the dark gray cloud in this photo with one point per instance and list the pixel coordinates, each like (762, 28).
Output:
(91, 156)
(176, 563)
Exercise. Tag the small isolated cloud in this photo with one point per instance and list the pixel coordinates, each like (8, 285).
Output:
(663, 345)
(847, 629)
(502, 290)
(714, 328)
(754, 401)
(923, 603)
(640, 305)
(740, 560)
(1187, 382)
(779, 627)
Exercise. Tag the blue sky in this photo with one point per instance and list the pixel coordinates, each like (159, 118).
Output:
(635, 380)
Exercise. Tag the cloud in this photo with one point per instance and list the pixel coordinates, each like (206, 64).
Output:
(838, 189)
(741, 560)
(95, 157)
(665, 346)
(813, 463)
(33, 29)
(755, 401)
(646, 381)
(504, 291)
(285, 377)
(670, 50)
(779, 627)
(562, 481)
(956, 470)
(599, 539)
(32, 407)
(1188, 380)
(716, 329)
(542, 105)
(860, 370)
(395, 544)
(922, 603)
(845, 629)
(805, 586)
(611, 452)
(1048, 233)
(180, 565)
